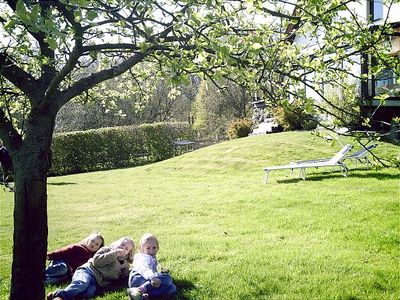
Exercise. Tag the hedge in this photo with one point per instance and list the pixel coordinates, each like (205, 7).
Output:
(116, 147)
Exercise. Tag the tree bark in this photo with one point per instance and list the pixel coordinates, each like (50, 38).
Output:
(30, 209)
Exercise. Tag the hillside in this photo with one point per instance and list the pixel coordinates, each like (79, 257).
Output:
(224, 234)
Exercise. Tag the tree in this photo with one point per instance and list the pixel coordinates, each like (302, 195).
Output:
(117, 104)
(324, 47)
(216, 105)
(45, 49)
(49, 47)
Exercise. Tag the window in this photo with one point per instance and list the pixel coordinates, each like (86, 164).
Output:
(376, 9)
(386, 82)
(386, 77)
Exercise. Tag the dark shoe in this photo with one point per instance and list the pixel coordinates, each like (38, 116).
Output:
(50, 296)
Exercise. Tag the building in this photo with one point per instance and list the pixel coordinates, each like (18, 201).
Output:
(382, 115)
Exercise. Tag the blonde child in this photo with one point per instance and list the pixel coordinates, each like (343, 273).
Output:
(108, 266)
(66, 260)
(144, 280)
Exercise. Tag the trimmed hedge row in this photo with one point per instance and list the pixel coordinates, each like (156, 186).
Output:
(116, 147)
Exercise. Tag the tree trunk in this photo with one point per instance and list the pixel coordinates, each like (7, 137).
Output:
(30, 210)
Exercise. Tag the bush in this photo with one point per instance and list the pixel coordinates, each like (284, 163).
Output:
(116, 147)
(294, 118)
(343, 104)
(239, 128)
(158, 138)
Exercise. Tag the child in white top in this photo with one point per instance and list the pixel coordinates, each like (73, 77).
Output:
(144, 280)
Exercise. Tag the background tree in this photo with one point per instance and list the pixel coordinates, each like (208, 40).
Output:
(216, 105)
(116, 103)
(333, 44)
(53, 51)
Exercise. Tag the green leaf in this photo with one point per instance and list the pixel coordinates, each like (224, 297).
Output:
(148, 30)
(34, 15)
(49, 23)
(91, 15)
(10, 25)
(22, 13)
(51, 42)
(21, 9)
(256, 46)
(77, 15)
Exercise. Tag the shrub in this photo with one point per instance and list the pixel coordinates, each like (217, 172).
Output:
(343, 104)
(158, 138)
(116, 147)
(239, 128)
(294, 118)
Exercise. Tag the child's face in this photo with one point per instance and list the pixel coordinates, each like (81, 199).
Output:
(150, 247)
(126, 246)
(94, 244)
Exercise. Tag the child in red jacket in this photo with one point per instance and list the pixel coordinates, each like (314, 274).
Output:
(66, 260)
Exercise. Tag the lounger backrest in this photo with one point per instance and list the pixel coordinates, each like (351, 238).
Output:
(362, 151)
(340, 155)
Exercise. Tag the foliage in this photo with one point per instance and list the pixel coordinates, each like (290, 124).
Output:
(166, 102)
(159, 137)
(213, 216)
(239, 128)
(322, 44)
(216, 106)
(54, 51)
(343, 108)
(294, 117)
(116, 147)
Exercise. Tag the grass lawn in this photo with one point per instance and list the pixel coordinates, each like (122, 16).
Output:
(224, 234)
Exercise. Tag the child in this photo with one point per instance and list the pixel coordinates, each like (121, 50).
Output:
(6, 164)
(144, 280)
(66, 260)
(109, 265)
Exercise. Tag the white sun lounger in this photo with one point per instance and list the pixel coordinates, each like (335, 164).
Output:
(335, 161)
(359, 156)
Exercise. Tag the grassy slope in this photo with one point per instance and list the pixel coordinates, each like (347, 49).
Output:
(226, 235)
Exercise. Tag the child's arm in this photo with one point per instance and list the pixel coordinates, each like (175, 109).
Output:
(62, 253)
(142, 265)
(104, 256)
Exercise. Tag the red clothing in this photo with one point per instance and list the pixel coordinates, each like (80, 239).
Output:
(75, 255)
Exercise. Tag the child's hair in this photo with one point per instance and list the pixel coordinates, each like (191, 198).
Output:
(145, 238)
(93, 236)
(118, 242)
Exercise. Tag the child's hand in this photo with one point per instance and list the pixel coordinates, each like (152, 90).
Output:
(155, 282)
(164, 270)
(121, 252)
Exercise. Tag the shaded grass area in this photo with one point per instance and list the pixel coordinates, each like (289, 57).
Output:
(226, 235)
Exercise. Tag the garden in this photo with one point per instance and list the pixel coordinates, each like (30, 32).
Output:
(224, 234)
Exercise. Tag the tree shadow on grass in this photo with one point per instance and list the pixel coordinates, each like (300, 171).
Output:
(352, 174)
(61, 183)
(184, 287)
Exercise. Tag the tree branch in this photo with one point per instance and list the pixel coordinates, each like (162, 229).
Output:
(21, 79)
(94, 79)
(10, 136)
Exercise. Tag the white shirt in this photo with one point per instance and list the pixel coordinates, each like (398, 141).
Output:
(145, 265)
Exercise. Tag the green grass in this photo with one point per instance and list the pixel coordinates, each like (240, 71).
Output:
(226, 235)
